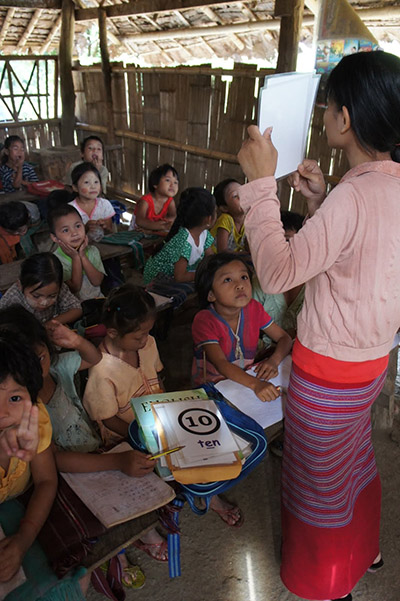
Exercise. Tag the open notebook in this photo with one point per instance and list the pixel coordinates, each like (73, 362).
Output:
(114, 497)
(286, 102)
(266, 414)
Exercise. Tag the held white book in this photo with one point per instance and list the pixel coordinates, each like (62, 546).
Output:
(114, 497)
(17, 580)
(285, 103)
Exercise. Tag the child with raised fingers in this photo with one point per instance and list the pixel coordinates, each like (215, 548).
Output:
(226, 331)
(25, 452)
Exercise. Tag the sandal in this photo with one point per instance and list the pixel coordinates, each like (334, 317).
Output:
(133, 577)
(157, 551)
(233, 513)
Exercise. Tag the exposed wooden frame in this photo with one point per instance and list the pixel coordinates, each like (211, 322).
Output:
(106, 68)
(6, 23)
(291, 13)
(53, 32)
(31, 26)
(49, 4)
(66, 81)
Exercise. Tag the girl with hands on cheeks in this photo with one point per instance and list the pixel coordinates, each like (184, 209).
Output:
(83, 269)
(25, 452)
(226, 331)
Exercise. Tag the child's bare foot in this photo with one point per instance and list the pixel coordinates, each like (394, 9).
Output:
(154, 545)
(230, 514)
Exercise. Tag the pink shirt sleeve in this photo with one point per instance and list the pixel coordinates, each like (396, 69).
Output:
(281, 265)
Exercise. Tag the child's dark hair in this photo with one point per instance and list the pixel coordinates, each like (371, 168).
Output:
(80, 170)
(41, 270)
(57, 198)
(291, 220)
(127, 307)
(20, 362)
(194, 205)
(158, 173)
(206, 270)
(86, 140)
(368, 85)
(13, 215)
(219, 191)
(7, 143)
(34, 333)
(61, 211)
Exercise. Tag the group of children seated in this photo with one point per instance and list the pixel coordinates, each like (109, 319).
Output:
(40, 353)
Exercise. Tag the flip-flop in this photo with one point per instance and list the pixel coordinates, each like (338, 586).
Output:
(157, 551)
(133, 577)
(232, 512)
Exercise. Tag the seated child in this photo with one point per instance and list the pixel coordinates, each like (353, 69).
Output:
(226, 331)
(82, 266)
(14, 172)
(75, 437)
(228, 230)
(130, 367)
(188, 239)
(14, 220)
(40, 289)
(283, 307)
(92, 151)
(96, 212)
(25, 453)
(156, 210)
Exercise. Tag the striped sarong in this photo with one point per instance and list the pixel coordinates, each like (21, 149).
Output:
(330, 486)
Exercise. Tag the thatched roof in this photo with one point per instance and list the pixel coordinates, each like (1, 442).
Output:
(167, 32)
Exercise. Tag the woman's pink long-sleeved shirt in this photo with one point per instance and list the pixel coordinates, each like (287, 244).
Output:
(348, 253)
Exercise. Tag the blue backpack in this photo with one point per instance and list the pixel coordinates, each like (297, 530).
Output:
(239, 423)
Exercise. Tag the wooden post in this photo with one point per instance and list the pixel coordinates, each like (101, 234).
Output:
(291, 13)
(66, 81)
(106, 68)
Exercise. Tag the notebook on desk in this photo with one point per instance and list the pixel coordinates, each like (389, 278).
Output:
(266, 414)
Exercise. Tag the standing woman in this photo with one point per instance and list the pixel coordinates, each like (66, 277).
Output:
(348, 253)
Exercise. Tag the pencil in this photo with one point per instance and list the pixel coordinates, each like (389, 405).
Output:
(167, 452)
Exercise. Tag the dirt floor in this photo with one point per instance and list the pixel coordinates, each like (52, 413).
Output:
(228, 564)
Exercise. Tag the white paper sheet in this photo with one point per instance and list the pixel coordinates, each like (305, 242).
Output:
(266, 414)
(286, 102)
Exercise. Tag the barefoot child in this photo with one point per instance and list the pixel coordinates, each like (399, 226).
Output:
(228, 230)
(226, 331)
(130, 367)
(156, 210)
(82, 265)
(25, 453)
(96, 212)
(40, 289)
(14, 172)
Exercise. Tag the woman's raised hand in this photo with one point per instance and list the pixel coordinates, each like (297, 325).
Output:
(310, 181)
(258, 156)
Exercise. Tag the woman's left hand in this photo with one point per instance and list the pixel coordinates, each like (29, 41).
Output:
(22, 441)
(258, 156)
(11, 553)
(266, 370)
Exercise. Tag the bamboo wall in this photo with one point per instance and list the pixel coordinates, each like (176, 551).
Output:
(188, 106)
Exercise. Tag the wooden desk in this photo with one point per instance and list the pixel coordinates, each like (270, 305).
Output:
(108, 251)
(117, 538)
(18, 196)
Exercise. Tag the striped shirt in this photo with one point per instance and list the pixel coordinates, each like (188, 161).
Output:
(7, 176)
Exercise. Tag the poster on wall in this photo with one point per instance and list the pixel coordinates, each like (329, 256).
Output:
(339, 32)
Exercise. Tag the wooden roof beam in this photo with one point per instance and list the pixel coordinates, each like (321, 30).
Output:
(6, 23)
(34, 4)
(142, 7)
(53, 32)
(31, 26)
